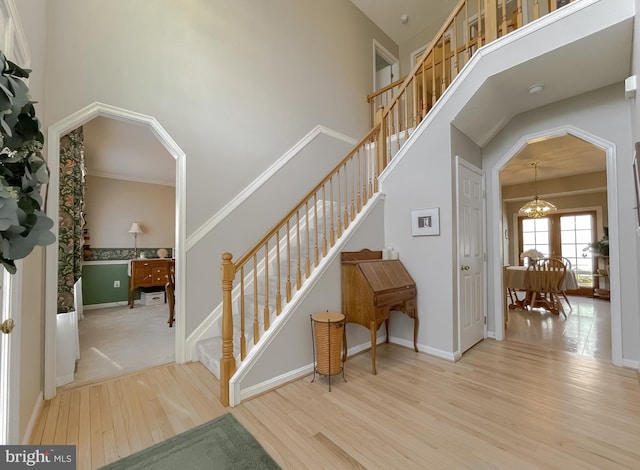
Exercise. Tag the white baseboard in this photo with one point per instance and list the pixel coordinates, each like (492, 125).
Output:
(290, 376)
(37, 409)
(631, 364)
(448, 355)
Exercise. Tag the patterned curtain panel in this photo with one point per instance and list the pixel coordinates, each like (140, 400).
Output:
(72, 190)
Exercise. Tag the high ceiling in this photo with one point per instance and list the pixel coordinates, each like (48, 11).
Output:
(120, 150)
(565, 72)
(421, 15)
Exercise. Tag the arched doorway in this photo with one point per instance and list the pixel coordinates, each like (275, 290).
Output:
(53, 151)
(497, 214)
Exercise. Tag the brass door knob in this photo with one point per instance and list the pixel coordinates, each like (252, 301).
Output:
(7, 326)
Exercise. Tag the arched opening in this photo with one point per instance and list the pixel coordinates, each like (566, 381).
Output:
(53, 151)
(497, 208)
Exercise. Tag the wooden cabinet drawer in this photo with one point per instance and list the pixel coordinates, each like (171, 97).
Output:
(391, 298)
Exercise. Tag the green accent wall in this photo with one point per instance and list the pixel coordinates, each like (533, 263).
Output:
(97, 283)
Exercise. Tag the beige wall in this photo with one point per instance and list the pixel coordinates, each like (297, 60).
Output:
(113, 205)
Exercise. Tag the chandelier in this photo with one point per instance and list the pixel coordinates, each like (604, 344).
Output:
(538, 207)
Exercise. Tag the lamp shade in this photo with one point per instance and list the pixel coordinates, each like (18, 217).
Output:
(135, 228)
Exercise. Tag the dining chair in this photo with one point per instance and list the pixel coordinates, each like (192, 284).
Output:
(563, 291)
(544, 281)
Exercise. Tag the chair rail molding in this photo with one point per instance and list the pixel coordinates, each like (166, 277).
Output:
(55, 131)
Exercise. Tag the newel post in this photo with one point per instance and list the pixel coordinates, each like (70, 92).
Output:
(228, 361)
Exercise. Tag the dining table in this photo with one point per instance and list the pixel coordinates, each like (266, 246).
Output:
(515, 280)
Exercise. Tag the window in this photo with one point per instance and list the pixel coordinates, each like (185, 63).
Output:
(566, 236)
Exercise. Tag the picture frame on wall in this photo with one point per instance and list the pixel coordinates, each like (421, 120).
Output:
(636, 180)
(425, 222)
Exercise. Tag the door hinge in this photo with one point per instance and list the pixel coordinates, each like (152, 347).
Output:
(485, 320)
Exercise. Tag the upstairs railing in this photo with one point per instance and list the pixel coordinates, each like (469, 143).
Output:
(278, 265)
(472, 24)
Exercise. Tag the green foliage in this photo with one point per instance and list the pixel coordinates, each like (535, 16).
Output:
(23, 171)
(600, 247)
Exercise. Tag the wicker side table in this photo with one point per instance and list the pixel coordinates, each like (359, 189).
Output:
(327, 336)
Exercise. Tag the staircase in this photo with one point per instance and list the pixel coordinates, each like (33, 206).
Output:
(291, 268)
(262, 284)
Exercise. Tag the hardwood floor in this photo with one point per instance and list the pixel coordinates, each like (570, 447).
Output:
(585, 331)
(505, 404)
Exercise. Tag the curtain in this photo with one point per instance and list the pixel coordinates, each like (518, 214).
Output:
(71, 207)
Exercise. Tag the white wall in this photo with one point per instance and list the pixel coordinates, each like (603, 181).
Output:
(603, 113)
(635, 120)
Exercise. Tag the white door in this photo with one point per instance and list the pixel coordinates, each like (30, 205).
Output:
(471, 305)
(14, 46)
(9, 355)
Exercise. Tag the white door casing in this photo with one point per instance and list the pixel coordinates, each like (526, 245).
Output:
(470, 236)
(14, 45)
(56, 131)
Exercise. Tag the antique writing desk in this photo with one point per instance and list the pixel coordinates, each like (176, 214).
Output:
(371, 288)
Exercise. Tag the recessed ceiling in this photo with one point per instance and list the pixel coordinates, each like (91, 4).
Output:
(556, 157)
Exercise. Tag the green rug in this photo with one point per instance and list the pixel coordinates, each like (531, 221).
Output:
(220, 444)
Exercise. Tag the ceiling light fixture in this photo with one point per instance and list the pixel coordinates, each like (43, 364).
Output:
(536, 89)
(538, 207)
(404, 18)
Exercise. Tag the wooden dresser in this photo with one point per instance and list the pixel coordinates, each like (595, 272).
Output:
(371, 288)
(149, 273)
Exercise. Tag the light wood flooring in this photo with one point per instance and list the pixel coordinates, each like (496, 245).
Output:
(505, 404)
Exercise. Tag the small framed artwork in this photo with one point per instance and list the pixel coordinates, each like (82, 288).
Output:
(425, 222)
(636, 180)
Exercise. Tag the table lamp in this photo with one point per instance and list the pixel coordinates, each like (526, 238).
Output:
(135, 229)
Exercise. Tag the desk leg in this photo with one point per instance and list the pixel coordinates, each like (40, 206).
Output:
(416, 322)
(130, 298)
(372, 327)
(386, 327)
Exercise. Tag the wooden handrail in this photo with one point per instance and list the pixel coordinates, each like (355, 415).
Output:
(249, 253)
(375, 94)
(325, 212)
